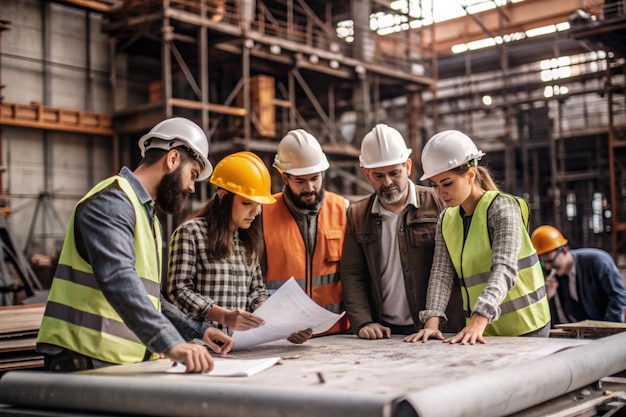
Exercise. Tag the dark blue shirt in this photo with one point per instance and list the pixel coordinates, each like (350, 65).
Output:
(600, 288)
(104, 233)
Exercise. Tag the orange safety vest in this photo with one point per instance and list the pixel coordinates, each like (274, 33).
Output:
(287, 255)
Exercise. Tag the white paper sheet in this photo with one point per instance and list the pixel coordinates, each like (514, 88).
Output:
(232, 367)
(288, 310)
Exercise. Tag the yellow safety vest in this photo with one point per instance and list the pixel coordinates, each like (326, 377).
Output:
(525, 307)
(78, 317)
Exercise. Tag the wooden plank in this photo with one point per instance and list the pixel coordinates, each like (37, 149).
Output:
(20, 319)
(18, 337)
(593, 324)
(588, 329)
(18, 345)
(13, 335)
(94, 5)
(212, 107)
(31, 363)
(37, 116)
(282, 103)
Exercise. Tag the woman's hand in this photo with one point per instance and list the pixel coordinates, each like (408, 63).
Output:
(237, 320)
(472, 333)
(240, 320)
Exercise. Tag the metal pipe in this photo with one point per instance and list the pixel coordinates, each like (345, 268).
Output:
(508, 390)
(155, 397)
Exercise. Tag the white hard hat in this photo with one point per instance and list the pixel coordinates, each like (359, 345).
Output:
(447, 150)
(180, 132)
(299, 153)
(383, 146)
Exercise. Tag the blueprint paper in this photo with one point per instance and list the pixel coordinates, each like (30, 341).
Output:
(232, 367)
(286, 311)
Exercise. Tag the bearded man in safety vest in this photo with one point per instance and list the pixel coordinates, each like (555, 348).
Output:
(304, 230)
(104, 305)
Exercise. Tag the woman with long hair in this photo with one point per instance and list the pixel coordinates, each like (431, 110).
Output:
(214, 271)
(481, 239)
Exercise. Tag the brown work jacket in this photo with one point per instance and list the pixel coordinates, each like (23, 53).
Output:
(360, 261)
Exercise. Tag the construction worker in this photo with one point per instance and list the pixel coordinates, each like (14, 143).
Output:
(214, 273)
(304, 230)
(585, 281)
(104, 302)
(482, 241)
(388, 247)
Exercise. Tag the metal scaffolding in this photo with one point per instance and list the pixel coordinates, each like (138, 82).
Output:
(248, 71)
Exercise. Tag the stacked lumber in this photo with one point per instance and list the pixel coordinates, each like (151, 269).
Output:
(588, 329)
(18, 334)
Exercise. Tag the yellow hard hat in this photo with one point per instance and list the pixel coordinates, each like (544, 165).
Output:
(547, 238)
(244, 174)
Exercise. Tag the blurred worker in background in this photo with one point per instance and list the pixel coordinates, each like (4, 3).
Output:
(389, 242)
(482, 240)
(585, 281)
(304, 230)
(104, 303)
(214, 272)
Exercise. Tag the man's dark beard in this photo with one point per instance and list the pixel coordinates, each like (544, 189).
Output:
(305, 205)
(170, 192)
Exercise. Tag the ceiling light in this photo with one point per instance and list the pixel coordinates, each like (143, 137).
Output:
(275, 49)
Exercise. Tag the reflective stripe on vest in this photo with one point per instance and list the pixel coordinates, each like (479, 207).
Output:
(316, 281)
(525, 306)
(287, 255)
(78, 317)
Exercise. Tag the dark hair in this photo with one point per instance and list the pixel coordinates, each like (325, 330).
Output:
(154, 155)
(483, 175)
(218, 213)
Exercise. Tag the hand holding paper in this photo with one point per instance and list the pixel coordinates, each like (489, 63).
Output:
(288, 310)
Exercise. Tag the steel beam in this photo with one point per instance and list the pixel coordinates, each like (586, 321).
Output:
(522, 16)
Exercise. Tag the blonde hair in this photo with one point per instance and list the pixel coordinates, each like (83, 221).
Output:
(483, 175)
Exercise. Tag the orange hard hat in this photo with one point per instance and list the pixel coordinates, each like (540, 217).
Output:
(547, 238)
(244, 174)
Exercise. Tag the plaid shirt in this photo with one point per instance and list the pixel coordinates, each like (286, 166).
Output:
(504, 221)
(196, 284)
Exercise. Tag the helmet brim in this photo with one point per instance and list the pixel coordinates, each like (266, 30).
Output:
(321, 167)
(384, 163)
